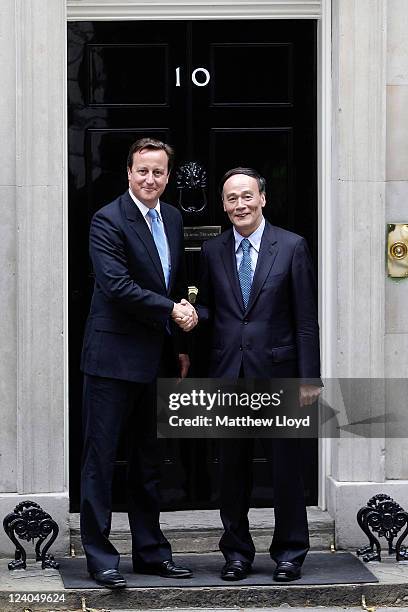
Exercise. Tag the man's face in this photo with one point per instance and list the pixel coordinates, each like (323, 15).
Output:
(243, 203)
(148, 176)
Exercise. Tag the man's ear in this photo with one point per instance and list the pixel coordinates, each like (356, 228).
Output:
(263, 199)
(128, 173)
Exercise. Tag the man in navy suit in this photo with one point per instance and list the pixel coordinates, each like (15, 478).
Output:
(257, 290)
(136, 247)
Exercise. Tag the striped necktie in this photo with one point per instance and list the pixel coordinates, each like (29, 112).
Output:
(245, 271)
(160, 241)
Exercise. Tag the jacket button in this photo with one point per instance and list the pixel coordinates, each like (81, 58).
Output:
(240, 348)
(246, 321)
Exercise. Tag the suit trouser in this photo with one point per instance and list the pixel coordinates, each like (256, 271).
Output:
(109, 404)
(291, 535)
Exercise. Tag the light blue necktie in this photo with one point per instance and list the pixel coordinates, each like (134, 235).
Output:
(245, 271)
(159, 238)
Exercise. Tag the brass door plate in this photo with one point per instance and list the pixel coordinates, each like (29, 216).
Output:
(397, 250)
(195, 236)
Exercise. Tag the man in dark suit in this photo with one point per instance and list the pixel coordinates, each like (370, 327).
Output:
(257, 290)
(136, 247)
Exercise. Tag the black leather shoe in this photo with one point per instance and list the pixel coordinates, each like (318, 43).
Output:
(166, 569)
(286, 571)
(109, 578)
(235, 570)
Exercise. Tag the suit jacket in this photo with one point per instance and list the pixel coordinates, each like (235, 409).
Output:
(130, 306)
(278, 334)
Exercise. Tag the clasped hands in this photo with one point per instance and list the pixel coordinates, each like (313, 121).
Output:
(308, 394)
(185, 315)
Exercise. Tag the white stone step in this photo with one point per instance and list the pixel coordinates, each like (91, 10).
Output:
(199, 531)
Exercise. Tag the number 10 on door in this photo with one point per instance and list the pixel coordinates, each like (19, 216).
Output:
(200, 77)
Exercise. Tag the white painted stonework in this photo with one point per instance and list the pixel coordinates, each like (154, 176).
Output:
(33, 364)
(363, 184)
(396, 292)
(194, 9)
(370, 65)
(8, 252)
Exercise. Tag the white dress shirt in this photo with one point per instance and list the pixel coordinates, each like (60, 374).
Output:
(144, 210)
(255, 240)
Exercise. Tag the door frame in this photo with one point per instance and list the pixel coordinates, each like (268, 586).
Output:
(320, 10)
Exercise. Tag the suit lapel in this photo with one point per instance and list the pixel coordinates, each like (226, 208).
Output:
(266, 257)
(230, 265)
(139, 225)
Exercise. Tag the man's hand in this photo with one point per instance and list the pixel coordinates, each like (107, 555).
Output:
(308, 394)
(185, 315)
(184, 361)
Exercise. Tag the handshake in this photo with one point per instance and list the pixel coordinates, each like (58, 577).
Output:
(185, 315)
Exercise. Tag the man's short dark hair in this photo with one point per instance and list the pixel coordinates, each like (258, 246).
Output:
(154, 145)
(249, 172)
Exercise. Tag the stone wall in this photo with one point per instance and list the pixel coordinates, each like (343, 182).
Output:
(370, 170)
(396, 291)
(8, 253)
(33, 279)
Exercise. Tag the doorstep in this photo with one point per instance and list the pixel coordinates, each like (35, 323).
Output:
(199, 531)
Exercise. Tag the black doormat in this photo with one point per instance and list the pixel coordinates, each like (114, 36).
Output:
(319, 568)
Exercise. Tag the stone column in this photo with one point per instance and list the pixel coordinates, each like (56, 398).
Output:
(396, 332)
(359, 175)
(36, 53)
(8, 288)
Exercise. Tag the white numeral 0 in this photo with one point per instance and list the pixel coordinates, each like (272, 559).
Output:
(202, 83)
(204, 71)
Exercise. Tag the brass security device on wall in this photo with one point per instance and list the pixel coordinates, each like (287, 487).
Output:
(397, 250)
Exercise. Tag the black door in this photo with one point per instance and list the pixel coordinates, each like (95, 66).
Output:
(225, 94)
